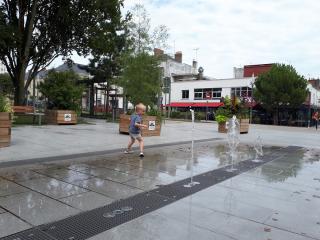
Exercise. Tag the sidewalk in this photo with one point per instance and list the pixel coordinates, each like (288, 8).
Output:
(30, 142)
(75, 195)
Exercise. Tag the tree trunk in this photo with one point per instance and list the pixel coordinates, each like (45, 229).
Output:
(276, 117)
(108, 102)
(20, 93)
(91, 103)
(25, 26)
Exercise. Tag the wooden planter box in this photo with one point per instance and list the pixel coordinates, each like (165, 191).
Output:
(124, 123)
(222, 128)
(244, 125)
(64, 117)
(154, 124)
(5, 129)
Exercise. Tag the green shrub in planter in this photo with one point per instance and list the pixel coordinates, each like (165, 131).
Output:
(224, 112)
(4, 104)
(62, 90)
(221, 118)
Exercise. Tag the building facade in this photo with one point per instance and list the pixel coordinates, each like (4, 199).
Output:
(206, 94)
(2, 68)
(209, 90)
(172, 66)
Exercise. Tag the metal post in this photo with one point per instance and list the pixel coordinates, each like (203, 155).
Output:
(34, 100)
(252, 83)
(309, 116)
(165, 104)
(169, 113)
(207, 109)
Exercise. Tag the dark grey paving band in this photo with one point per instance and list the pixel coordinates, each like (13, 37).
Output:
(91, 154)
(91, 223)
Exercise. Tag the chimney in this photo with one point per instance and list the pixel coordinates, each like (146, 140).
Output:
(158, 52)
(178, 57)
(238, 72)
(194, 66)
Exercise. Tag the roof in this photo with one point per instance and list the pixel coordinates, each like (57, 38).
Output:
(256, 70)
(195, 104)
(75, 67)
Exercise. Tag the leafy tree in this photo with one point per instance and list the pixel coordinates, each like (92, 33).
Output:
(62, 90)
(141, 75)
(106, 50)
(282, 86)
(142, 37)
(35, 32)
(6, 87)
(141, 79)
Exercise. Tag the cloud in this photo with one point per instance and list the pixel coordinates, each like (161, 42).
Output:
(231, 33)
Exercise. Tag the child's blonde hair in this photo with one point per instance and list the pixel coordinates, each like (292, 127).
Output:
(140, 106)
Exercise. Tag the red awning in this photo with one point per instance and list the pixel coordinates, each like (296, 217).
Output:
(195, 104)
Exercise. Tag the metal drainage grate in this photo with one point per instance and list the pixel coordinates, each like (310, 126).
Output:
(31, 234)
(91, 223)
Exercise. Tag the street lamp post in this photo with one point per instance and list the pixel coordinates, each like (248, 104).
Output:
(251, 102)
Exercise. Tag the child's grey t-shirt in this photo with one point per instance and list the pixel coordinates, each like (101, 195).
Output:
(135, 118)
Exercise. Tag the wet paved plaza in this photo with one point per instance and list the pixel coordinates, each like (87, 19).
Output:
(278, 200)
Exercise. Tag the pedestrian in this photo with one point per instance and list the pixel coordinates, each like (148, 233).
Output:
(315, 118)
(135, 129)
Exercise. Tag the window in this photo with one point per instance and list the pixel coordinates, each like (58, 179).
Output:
(216, 92)
(185, 94)
(198, 94)
(241, 92)
(207, 93)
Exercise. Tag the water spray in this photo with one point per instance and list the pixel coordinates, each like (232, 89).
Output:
(192, 183)
(233, 140)
(258, 149)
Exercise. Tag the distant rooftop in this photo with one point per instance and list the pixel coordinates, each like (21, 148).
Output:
(257, 69)
(67, 66)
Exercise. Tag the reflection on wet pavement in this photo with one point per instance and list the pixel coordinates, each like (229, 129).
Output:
(35, 208)
(87, 201)
(52, 187)
(9, 188)
(10, 224)
(259, 204)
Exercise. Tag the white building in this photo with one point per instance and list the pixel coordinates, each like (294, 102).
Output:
(198, 91)
(314, 96)
(171, 66)
(188, 90)
(175, 66)
(209, 90)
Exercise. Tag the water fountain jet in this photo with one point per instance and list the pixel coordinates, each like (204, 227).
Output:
(258, 149)
(192, 183)
(233, 133)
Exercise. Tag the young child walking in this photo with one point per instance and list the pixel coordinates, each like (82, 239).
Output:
(135, 129)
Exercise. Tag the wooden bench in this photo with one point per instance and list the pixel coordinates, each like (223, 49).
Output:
(22, 109)
(29, 111)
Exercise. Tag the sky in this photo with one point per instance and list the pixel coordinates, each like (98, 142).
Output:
(233, 33)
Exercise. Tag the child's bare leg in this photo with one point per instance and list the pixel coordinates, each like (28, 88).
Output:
(141, 144)
(131, 142)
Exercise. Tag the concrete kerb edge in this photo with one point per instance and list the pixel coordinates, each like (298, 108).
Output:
(23, 162)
